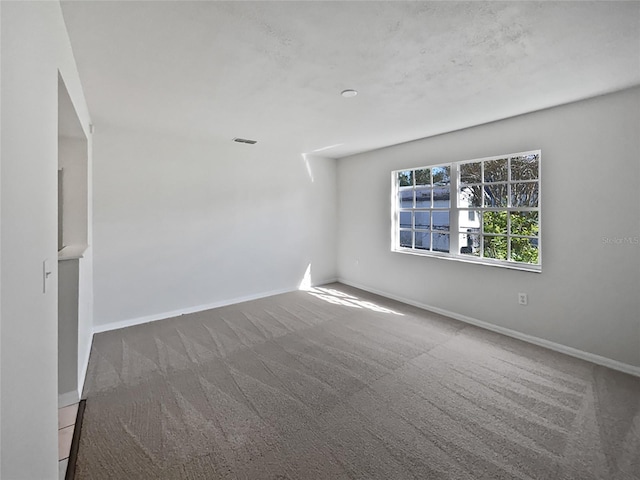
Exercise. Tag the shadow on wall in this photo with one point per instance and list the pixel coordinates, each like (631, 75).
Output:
(336, 297)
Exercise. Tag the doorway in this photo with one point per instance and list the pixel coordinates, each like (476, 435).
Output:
(73, 208)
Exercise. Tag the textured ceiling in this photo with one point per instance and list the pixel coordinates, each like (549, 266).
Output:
(273, 71)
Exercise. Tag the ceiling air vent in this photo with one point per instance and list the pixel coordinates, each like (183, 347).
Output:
(244, 140)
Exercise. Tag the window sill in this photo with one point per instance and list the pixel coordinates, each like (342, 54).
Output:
(478, 261)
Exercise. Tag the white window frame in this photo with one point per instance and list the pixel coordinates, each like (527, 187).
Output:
(456, 210)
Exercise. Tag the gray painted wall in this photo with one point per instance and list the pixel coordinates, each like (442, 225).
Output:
(587, 294)
(182, 224)
(68, 327)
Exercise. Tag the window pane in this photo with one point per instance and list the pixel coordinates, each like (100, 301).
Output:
(441, 175)
(423, 240)
(405, 220)
(440, 242)
(495, 195)
(470, 230)
(423, 197)
(494, 222)
(423, 177)
(524, 168)
(524, 194)
(441, 197)
(405, 179)
(496, 170)
(470, 173)
(469, 218)
(470, 197)
(495, 247)
(524, 223)
(405, 238)
(422, 220)
(524, 250)
(470, 244)
(440, 220)
(406, 199)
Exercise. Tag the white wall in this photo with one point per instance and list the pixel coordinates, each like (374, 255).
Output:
(85, 305)
(182, 224)
(34, 47)
(587, 294)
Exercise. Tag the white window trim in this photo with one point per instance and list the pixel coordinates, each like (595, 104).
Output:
(454, 212)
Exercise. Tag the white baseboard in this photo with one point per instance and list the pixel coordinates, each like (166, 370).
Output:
(558, 347)
(68, 398)
(184, 311)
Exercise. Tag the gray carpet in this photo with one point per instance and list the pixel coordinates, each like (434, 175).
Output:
(341, 384)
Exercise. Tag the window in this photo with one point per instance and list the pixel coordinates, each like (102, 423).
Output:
(425, 204)
(485, 210)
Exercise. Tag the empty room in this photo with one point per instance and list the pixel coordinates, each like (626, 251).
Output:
(316, 240)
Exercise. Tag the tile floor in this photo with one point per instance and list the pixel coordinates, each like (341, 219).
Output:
(66, 424)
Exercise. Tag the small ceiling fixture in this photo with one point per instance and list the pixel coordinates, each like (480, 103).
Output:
(244, 140)
(349, 93)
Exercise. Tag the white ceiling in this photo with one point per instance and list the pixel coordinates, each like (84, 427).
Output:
(273, 71)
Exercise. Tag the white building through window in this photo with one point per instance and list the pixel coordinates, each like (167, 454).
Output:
(485, 210)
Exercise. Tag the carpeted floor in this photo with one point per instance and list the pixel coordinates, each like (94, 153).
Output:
(340, 384)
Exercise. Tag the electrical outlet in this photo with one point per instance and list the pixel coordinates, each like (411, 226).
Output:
(522, 299)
